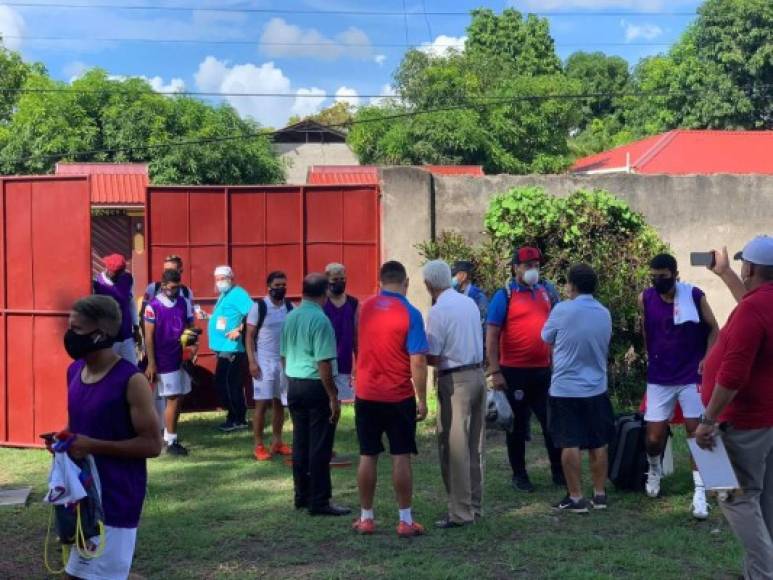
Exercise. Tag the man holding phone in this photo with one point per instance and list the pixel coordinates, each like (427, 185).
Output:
(679, 329)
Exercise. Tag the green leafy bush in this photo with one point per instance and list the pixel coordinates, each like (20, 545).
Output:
(588, 226)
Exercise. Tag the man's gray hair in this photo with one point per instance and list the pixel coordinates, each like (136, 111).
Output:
(101, 310)
(335, 268)
(437, 274)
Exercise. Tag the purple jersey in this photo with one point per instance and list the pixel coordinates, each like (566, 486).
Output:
(100, 410)
(121, 291)
(674, 351)
(170, 319)
(342, 320)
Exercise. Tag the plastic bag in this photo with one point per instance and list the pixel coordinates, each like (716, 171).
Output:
(499, 414)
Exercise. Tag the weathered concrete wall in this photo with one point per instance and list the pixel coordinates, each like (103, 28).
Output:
(692, 213)
(298, 157)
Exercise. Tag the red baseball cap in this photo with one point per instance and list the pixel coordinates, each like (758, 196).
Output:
(526, 254)
(114, 263)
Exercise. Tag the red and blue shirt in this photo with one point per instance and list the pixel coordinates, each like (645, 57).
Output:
(522, 320)
(390, 331)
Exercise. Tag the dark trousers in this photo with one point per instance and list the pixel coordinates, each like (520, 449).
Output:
(229, 380)
(527, 392)
(313, 435)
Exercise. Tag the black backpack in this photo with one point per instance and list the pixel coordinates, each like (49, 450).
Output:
(262, 312)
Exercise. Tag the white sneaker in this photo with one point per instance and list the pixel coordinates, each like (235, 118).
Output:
(700, 507)
(652, 487)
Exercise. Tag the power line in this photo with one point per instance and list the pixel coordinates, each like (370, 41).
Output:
(304, 12)
(329, 44)
(406, 114)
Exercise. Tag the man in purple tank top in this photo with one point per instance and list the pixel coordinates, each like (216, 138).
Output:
(679, 329)
(112, 416)
(167, 316)
(117, 283)
(341, 309)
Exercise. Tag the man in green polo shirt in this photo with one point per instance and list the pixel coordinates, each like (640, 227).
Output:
(308, 349)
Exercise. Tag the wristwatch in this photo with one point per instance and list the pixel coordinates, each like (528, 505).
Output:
(704, 420)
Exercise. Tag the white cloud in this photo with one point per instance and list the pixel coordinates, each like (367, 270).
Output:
(12, 26)
(388, 93)
(380, 59)
(347, 95)
(637, 31)
(308, 101)
(210, 74)
(443, 45)
(280, 39)
(175, 85)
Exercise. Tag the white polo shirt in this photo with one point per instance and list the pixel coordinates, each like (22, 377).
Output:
(453, 331)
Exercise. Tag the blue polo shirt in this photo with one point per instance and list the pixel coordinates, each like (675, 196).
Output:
(230, 311)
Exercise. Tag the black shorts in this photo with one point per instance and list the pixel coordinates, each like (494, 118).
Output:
(397, 420)
(584, 422)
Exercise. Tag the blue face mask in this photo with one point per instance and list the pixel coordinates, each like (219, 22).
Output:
(455, 283)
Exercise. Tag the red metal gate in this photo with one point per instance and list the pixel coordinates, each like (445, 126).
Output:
(46, 265)
(296, 229)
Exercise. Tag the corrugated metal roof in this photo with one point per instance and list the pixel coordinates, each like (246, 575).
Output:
(369, 174)
(111, 183)
(472, 170)
(683, 152)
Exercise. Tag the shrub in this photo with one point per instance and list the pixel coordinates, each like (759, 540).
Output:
(588, 226)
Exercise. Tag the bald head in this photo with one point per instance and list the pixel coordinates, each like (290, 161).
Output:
(315, 287)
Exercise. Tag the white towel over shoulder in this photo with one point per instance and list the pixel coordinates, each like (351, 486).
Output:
(685, 309)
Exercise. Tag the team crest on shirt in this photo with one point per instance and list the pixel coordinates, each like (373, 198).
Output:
(150, 314)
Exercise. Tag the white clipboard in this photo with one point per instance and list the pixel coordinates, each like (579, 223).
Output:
(714, 466)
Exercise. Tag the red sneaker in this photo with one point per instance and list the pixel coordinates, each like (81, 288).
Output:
(261, 453)
(281, 449)
(364, 527)
(410, 530)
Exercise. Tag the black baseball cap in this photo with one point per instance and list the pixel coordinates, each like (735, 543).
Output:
(462, 266)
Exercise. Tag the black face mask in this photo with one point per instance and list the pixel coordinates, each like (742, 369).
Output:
(277, 293)
(338, 288)
(80, 345)
(663, 285)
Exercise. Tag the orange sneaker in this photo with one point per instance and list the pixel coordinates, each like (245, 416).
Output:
(410, 530)
(364, 527)
(261, 453)
(281, 449)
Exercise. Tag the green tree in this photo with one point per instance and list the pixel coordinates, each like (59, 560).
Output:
(13, 72)
(339, 115)
(125, 120)
(598, 73)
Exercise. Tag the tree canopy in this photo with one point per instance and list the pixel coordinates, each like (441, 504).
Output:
(125, 120)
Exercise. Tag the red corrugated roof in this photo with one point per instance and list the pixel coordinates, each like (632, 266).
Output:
(368, 174)
(683, 152)
(473, 170)
(111, 183)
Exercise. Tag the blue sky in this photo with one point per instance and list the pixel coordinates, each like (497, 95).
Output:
(260, 52)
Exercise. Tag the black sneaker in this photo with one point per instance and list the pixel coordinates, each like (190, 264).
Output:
(176, 449)
(569, 505)
(522, 482)
(226, 427)
(599, 502)
(242, 425)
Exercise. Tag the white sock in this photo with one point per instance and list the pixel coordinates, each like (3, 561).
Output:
(366, 514)
(169, 438)
(406, 516)
(697, 479)
(575, 499)
(654, 461)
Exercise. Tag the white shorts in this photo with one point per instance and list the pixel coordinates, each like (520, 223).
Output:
(661, 402)
(272, 384)
(114, 563)
(345, 390)
(176, 383)
(127, 350)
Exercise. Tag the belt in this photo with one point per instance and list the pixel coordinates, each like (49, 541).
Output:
(471, 367)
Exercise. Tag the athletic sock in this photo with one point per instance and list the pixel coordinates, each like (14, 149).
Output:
(697, 479)
(575, 499)
(654, 461)
(169, 438)
(406, 516)
(366, 514)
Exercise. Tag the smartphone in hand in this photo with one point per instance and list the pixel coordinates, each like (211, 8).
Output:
(705, 259)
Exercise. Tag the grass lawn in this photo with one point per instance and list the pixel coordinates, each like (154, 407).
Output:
(219, 514)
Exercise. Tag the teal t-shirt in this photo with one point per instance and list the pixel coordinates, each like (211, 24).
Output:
(307, 338)
(230, 310)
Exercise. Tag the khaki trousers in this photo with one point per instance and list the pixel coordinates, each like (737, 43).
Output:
(461, 437)
(750, 513)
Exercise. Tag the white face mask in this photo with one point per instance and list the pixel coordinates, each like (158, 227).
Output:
(223, 286)
(531, 277)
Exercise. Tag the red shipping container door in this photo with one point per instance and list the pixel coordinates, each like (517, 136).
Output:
(258, 229)
(45, 267)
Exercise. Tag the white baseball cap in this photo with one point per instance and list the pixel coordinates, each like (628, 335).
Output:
(759, 251)
(224, 271)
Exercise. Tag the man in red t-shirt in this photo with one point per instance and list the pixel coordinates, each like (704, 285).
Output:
(391, 394)
(738, 393)
(519, 360)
